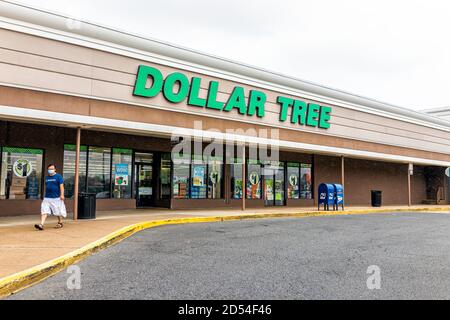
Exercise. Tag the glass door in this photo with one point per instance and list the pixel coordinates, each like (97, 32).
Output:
(145, 195)
(279, 186)
(165, 176)
(274, 184)
(269, 186)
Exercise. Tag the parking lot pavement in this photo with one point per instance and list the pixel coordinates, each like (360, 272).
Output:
(307, 258)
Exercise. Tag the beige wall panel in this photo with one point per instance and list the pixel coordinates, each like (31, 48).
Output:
(391, 132)
(45, 47)
(359, 116)
(43, 79)
(44, 63)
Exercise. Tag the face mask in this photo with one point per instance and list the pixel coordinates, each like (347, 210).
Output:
(51, 172)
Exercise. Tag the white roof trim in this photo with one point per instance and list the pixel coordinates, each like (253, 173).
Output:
(54, 25)
(435, 110)
(130, 127)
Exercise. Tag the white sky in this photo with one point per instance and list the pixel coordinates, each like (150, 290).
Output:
(394, 51)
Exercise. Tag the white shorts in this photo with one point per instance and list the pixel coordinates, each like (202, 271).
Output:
(54, 207)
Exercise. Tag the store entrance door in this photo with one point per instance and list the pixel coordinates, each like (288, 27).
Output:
(152, 179)
(274, 185)
(145, 195)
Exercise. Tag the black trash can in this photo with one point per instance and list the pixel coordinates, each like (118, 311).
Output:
(377, 198)
(87, 203)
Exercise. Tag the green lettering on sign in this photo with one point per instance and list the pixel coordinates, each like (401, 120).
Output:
(212, 97)
(299, 112)
(237, 100)
(176, 88)
(257, 101)
(325, 117)
(144, 74)
(194, 99)
(313, 115)
(169, 85)
(285, 104)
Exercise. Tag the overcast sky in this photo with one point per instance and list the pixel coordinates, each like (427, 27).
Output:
(393, 51)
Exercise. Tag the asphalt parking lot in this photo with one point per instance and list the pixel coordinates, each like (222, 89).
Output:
(305, 258)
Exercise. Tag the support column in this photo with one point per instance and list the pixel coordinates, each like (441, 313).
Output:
(77, 175)
(244, 179)
(343, 172)
(410, 172)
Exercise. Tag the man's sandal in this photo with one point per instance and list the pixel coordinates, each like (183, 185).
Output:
(59, 225)
(39, 227)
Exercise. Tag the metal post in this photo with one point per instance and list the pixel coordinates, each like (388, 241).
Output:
(244, 179)
(409, 185)
(343, 172)
(77, 175)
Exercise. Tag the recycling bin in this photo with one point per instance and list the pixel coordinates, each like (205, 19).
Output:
(377, 198)
(87, 203)
(326, 196)
(338, 196)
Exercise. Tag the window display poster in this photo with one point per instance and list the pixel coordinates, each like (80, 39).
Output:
(279, 194)
(198, 178)
(269, 189)
(306, 182)
(254, 186)
(33, 188)
(121, 174)
(237, 189)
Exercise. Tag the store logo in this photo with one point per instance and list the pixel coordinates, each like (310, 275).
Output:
(178, 88)
(293, 180)
(214, 177)
(254, 178)
(22, 168)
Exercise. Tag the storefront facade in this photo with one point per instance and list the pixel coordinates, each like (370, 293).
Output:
(442, 113)
(117, 101)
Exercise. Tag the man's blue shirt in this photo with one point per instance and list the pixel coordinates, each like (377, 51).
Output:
(52, 186)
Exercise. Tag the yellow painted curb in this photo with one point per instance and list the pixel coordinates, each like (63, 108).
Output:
(19, 281)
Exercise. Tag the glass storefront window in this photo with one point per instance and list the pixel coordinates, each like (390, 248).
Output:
(293, 174)
(306, 181)
(279, 184)
(21, 174)
(69, 169)
(99, 172)
(236, 179)
(215, 168)
(198, 180)
(254, 180)
(181, 173)
(273, 174)
(141, 157)
(121, 175)
(165, 175)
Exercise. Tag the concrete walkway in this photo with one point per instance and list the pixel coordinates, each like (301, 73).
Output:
(22, 247)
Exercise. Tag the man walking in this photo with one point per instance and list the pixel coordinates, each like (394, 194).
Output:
(53, 203)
